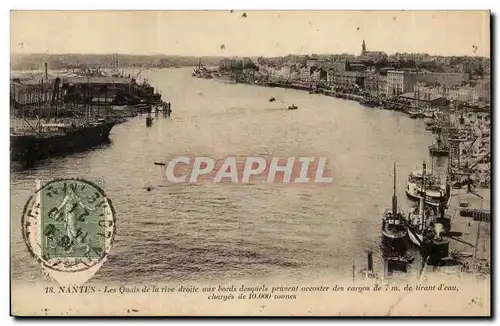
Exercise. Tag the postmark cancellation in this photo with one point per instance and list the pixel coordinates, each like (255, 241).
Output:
(69, 225)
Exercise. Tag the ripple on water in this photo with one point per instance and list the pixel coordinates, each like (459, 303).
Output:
(206, 230)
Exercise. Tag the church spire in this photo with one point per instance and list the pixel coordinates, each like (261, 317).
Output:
(363, 48)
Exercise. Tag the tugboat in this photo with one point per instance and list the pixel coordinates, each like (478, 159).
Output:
(433, 189)
(394, 230)
(428, 229)
(292, 107)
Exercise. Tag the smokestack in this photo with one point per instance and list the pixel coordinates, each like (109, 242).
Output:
(394, 196)
(46, 73)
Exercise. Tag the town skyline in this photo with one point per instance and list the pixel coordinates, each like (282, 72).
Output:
(257, 33)
(239, 56)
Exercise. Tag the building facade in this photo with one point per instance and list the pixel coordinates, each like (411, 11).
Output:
(356, 66)
(483, 88)
(443, 79)
(376, 84)
(31, 93)
(420, 89)
(400, 81)
(464, 95)
(345, 79)
(338, 66)
(423, 102)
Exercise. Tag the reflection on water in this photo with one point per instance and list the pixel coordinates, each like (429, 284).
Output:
(206, 230)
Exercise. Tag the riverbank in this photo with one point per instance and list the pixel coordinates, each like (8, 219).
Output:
(343, 92)
(475, 235)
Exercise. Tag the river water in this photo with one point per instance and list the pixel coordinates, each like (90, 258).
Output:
(224, 231)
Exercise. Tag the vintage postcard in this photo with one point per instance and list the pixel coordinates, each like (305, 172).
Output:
(250, 163)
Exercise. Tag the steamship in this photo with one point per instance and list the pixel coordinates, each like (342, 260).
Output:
(394, 230)
(428, 227)
(56, 138)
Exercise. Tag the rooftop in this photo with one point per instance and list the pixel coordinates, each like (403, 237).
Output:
(375, 53)
(353, 73)
(427, 97)
(31, 79)
(97, 80)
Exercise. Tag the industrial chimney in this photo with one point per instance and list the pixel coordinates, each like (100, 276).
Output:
(46, 73)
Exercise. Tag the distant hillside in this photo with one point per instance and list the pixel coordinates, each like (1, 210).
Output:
(59, 61)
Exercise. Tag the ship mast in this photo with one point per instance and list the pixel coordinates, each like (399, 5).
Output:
(423, 196)
(39, 110)
(52, 105)
(394, 196)
(87, 106)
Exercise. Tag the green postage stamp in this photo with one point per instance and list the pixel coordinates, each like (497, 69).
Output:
(69, 224)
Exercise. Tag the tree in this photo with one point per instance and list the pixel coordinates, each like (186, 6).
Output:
(479, 71)
(410, 64)
(368, 63)
(381, 64)
(236, 65)
(249, 65)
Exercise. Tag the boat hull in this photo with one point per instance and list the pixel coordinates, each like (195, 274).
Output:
(392, 244)
(416, 115)
(433, 250)
(415, 238)
(27, 149)
(439, 152)
(394, 235)
(430, 200)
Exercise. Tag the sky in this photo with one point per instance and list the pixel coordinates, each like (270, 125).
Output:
(266, 33)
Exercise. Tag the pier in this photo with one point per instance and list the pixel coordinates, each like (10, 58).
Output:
(476, 232)
(52, 116)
